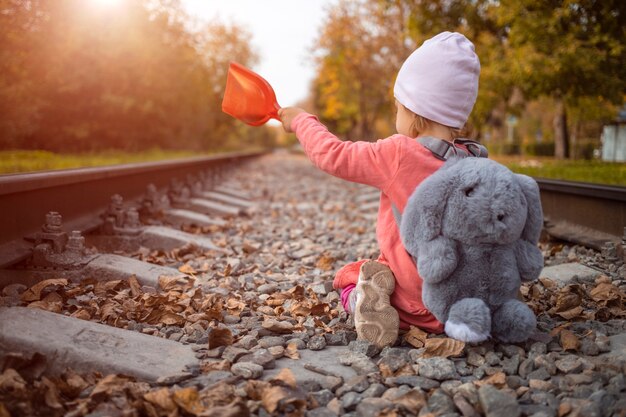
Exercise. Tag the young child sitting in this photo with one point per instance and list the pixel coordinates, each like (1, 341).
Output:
(435, 91)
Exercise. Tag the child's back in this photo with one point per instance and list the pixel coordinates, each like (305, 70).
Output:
(435, 91)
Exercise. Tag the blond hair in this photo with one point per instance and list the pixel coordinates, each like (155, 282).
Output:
(421, 123)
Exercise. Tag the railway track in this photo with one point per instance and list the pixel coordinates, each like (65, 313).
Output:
(196, 241)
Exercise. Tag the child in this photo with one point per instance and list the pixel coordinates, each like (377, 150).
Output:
(435, 91)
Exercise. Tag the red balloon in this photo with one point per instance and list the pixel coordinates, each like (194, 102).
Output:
(249, 97)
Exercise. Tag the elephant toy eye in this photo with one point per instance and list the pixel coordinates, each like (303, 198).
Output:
(468, 191)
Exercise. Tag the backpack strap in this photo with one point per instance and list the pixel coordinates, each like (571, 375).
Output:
(442, 149)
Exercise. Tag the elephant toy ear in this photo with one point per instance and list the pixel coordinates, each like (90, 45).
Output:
(423, 214)
(534, 218)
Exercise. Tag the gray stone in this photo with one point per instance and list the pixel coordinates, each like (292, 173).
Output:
(469, 391)
(440, 403)
(267, 288)
(247, 342)
(569, 364)
(357, 384)
(372, 407)
(300, 344)
(206, 380)
(247, 370)
(322, 288)
(496, 403)
(514, 381)
(510, 365)
(261, 357)
(492, 358)
(364, 347)
(322, 398)
(541, 374)
(392, 363)
(589, 348)
(271, 341)
(86, 346)
(350, 400)
(364, 366)
(374, 390)
(320, 412)
(539, 348)
(233, 353)
(526, 367)
(396, 392)
(564, 274)
(316, 342)
(510, 350)
(450, 387)
(545, 362)
(475, 359)
(412, 381)
(436, 368)
(340, 338)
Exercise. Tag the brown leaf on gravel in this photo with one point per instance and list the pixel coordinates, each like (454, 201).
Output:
(567, 301)
(571, 314)
(284, 377)
(109, 386)
(325, 262)
(291, 351)
(280, 399)
(45, 305)
(161, 398)
(498, 380)
(188, 399)
(187, 269)
(34, 292)
(51, 396)
(220, 337)
(412, 401)
(415, 337)
(10, 381)
(606, 293)
(168, 282)
(171, 319)
(255, 388)
(237, 408)
(443, 347)
(277, 326)
(135, 287)
(568, 340)
(235, 306)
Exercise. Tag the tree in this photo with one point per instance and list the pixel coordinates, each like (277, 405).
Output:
(358, 54)
(567, 50)
(78, 78)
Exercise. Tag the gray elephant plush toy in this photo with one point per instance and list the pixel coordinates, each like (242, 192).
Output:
(473, 228)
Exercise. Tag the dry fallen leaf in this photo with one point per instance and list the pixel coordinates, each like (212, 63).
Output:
(606, 292)
(412, 401)
(498, 380)
(285, 377)
(34, 292)
(291, 351)
(220, 337)
(187, 269)
(568, 340)
(416, 337)
(443, 347)
(277, 326)
(325, 262)
(188, 400)
(161, 398)
(168, 282)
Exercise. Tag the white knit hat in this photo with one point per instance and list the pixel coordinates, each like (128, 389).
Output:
(439, 80)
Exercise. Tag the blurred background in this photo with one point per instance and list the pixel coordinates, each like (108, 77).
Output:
(88, 82)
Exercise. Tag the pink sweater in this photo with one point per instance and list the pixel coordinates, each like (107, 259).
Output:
(395, 166)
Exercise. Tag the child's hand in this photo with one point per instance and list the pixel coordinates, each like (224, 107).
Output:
(287, 114)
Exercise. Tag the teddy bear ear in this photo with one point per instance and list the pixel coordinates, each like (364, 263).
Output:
(421, 220)
(534, 218)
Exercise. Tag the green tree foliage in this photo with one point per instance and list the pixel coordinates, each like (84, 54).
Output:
(76, 77)
(358, 54)
(572, 52)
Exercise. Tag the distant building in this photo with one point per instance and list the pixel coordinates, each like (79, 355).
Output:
(614, 142)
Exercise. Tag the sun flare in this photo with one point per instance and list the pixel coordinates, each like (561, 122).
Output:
(106, 4)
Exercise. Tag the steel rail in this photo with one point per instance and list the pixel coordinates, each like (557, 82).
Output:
(583, 212)
(78, 194)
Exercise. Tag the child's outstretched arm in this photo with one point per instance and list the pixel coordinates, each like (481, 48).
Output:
(371, 163)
